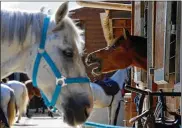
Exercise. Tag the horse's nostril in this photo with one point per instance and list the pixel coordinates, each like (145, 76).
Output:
(89, 59)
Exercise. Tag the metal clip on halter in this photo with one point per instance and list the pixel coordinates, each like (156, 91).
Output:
(61, 81)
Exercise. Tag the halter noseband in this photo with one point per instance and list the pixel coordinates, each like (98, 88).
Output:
(60, 80)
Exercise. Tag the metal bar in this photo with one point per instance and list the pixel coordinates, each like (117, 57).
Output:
(166, 94)
(129, 88)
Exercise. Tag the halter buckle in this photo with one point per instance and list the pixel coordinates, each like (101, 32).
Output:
(61, 81)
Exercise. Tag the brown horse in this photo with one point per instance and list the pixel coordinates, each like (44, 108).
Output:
(126, 51)
(32, 91)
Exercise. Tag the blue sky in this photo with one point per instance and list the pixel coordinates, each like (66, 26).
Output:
(35, 6)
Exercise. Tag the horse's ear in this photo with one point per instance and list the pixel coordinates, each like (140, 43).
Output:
(60, 14)
(126, 34)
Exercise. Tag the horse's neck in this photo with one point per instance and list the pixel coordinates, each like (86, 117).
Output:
(20, 34)
(14, 57)
(119, 77)
(139, 62)
(139, 52)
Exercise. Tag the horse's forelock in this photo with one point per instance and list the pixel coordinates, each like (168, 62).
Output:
(76, 33)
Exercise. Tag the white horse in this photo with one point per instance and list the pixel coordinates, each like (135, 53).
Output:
(21, 96)
(8, 103)
(102, 102)
(20, 39)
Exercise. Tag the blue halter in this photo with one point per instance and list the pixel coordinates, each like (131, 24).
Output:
(60, 80)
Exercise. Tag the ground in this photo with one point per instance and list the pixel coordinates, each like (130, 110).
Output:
(41, 121)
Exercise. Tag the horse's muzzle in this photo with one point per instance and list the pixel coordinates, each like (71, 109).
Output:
(91, 59)
(76, 110)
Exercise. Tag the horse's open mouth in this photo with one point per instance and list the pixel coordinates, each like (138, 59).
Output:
(92, 60)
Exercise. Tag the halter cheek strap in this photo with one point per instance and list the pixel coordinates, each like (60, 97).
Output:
(60, 80)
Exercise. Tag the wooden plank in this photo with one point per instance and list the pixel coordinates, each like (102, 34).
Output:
(128, 23)
(162, 42)
(121, 22)
(133, 18)
(94, 22)
(117, 14)
(137, 32)
(150, 41)
(140, 75)
(93, 27)
(137, 28)
(105, 5)
(159, 30)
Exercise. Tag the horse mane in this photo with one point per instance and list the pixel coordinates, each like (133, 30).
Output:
(140, 45)
(15, 23)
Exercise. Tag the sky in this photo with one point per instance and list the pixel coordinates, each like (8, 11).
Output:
(35, 6)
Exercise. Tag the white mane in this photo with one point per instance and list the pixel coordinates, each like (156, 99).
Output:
(15, 25)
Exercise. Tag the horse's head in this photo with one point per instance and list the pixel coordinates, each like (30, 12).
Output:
(65, 46)
(114, 57)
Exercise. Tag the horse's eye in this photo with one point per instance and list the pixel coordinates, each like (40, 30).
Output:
(68, 53)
